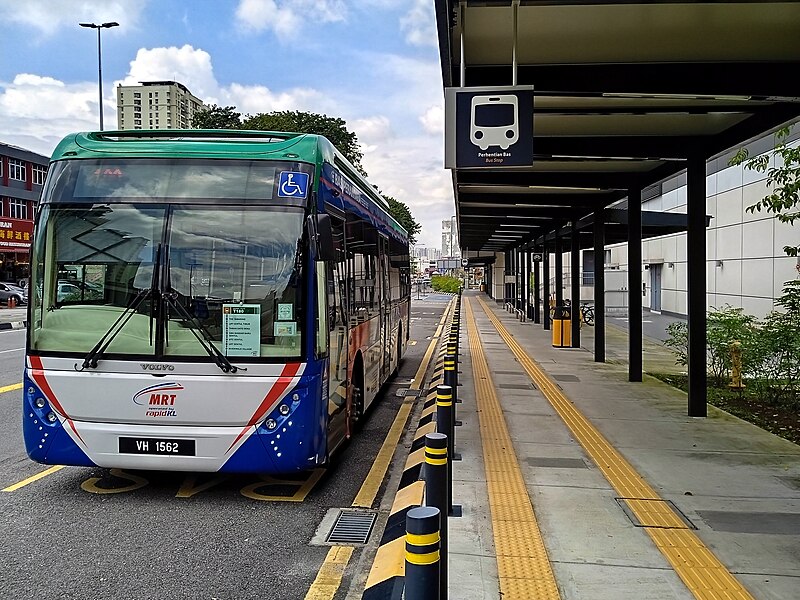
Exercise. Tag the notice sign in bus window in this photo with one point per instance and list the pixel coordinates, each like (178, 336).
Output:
(241, 329)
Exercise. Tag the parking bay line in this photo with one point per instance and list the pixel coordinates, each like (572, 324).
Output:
(37, 477)
(10, 388)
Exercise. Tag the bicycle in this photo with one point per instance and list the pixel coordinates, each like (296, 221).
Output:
(587, 314)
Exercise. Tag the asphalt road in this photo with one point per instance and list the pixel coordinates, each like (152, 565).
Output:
(84, 533)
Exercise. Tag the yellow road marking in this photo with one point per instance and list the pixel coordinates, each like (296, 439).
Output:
(329, 577)
(37, 477)
(10, 388)
(523, 566)
(369, 489)
(304, 487)
(701, 571)
(325, 586)
(423, 366)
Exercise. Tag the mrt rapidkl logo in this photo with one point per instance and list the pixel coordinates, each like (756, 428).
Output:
(159, 399)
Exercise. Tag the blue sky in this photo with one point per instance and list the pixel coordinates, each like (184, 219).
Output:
(372, 62)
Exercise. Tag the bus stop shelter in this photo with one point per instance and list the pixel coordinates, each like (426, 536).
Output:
(611, 98)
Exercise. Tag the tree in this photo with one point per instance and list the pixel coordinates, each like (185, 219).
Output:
(402, 215)
(784, 181)
(217, 117)
(333, 128)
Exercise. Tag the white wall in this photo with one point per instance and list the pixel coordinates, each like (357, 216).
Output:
(746, 265)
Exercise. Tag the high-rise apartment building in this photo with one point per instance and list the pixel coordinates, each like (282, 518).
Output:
(156, 105)
(450, 247)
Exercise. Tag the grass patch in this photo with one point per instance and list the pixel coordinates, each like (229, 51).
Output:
(779, 418)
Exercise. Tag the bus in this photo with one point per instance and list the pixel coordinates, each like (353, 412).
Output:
(208, 301)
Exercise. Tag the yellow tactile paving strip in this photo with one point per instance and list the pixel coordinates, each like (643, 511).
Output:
(523, 567)
(701, 571)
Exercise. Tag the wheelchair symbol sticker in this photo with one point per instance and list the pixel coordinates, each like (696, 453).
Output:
(292, 185)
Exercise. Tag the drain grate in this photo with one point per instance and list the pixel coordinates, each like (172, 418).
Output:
(352, 527)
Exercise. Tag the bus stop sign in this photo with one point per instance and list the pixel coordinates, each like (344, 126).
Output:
(489, 127)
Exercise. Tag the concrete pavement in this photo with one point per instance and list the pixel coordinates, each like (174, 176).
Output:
(13, 318)
(735, 485)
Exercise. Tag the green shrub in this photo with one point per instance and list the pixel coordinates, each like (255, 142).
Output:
(777, 348)
(445, 283)
(724, 326)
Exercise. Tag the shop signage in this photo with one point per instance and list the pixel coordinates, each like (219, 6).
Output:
(15, 234)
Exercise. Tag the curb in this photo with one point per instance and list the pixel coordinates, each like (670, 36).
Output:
(386, 579)
(13, 325)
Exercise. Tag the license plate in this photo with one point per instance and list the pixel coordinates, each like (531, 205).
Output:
(160, 446)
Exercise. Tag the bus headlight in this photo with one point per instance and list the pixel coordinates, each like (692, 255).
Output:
(51, 417)
(271, 424)
(283, 409)
(40, 402)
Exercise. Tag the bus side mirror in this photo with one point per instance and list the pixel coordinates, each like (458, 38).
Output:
(321, 236)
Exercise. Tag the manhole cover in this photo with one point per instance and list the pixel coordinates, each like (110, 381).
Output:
(565, 378)
(352, 527)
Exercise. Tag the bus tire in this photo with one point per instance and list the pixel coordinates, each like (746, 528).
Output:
(355, 407)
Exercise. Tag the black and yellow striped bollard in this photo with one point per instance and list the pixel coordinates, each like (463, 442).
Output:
(437, 494)
(445, 423)
(422, 554)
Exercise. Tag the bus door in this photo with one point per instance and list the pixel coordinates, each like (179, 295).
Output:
(338, 316)
(385, 306)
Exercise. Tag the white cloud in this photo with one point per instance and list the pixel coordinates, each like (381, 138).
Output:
(36, 112)
(191, 66)
(49, 16)
(372, 131)
(286, 18)
(433, 120)
(254, 99)
(419, 24)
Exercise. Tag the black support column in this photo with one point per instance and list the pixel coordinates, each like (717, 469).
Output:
(599, 286)
(696, 257)
(506, 271)
(559, 272)
(526, 281)
(575, 271)
(635, 284)
(537, 299)
(546, 286)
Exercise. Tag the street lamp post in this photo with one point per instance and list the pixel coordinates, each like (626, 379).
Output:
(100, 60)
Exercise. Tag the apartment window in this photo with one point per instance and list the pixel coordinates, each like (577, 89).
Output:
(150, 94)
(19, 209)
(38, 174)
(137, 95)
(16, 169)
(137, 122)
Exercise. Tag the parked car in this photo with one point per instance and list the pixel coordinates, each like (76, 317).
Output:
(11, 290)
(76, 290)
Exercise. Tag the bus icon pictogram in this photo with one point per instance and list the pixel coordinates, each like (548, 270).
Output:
(494, 121)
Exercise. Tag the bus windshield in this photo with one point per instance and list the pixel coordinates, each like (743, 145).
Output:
(231, 273)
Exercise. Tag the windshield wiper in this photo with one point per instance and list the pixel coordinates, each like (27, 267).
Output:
(91, 360)
(202, 335)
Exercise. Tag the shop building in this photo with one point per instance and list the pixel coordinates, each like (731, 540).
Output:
(22, 174)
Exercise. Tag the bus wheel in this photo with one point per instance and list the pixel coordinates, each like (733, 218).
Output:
(355, 407)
